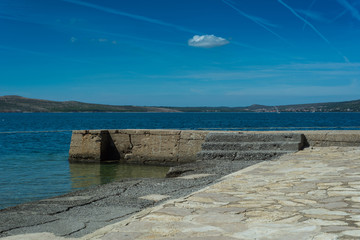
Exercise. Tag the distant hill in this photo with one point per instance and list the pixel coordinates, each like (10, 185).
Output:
(349, 106)
(21, 104)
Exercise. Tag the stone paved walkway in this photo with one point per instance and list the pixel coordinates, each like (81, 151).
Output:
(313, 194)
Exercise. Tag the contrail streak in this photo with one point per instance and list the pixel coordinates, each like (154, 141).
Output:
(90, 30)
(312, 4)
(314, 29)
(309, 8)
(255, 20)
(354, 12)
(133, 16)
(149, 20)
(132, 37)
(305, 21)
(339, 15)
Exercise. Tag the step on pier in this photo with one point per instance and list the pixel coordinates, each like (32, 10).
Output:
(249, 146)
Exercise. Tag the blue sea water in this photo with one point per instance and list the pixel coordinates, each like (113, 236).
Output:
(34, 146)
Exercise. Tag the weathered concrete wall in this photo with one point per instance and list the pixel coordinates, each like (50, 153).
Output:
(92, 146)
(167, 147)
(333, 138)
(327, 138)
(170, 147)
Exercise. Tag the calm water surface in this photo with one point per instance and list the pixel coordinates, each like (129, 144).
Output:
(34, 146)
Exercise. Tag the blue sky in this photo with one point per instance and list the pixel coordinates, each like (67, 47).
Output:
(181, 52)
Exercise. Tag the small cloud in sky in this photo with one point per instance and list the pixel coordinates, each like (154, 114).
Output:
(207, 41)
(104, 41)
(73, 39)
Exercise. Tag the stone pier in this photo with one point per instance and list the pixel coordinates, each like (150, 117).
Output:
(159, 147)
(173, 147)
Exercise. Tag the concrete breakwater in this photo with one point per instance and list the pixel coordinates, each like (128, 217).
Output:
(174, 147)
(169, 147)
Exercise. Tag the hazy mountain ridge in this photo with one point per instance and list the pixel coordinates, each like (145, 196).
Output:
(21, 104)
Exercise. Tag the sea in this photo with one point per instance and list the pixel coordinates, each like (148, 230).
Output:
(34, 146)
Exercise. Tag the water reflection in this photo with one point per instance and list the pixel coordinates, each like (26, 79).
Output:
(86, 175)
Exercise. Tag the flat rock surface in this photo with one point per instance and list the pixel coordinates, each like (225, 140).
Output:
(79, 213)
(312, 194)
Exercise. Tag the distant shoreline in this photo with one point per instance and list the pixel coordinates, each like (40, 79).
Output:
(18, 104)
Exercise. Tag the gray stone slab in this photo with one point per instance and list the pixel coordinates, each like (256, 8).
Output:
(253, 146)
(62, 227)
(251, 137)
(217, 154)
(240, 155)
(259, 155)
(13, 220)
(79, 213)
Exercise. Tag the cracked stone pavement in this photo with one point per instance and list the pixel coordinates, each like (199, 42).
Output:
(79, 213)
(312, 194)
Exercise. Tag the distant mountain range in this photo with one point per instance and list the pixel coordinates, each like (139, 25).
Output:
(21, 104)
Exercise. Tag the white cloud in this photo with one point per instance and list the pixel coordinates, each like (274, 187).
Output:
(207, 41)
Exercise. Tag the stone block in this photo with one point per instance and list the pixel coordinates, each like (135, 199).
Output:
(163, 132)
(148, 131)
(343, 136)
(79, 132)
(193, 135)
(333, 138)
(327, 138)
(190, 145)
(85, 147)
(92, 146)
(154, 148)
(122, 143)
(253, 137)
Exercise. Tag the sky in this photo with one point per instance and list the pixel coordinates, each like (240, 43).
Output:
(181, 52)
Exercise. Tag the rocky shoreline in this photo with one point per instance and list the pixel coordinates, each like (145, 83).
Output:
(82, 212)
